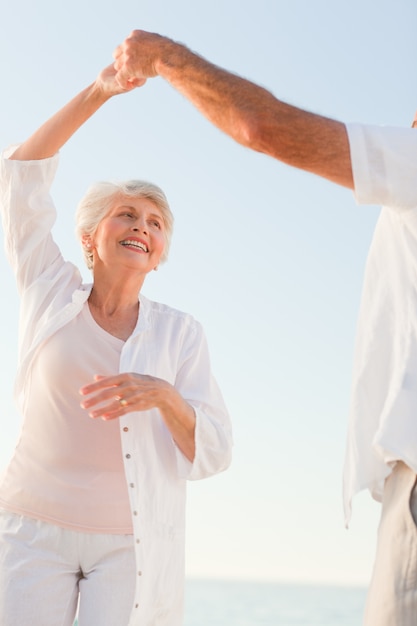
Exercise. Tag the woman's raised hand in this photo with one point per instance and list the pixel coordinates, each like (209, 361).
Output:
(107, 83)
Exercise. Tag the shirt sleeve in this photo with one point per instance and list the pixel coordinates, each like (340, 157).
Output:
(28, 215)
(384, 165)
(213, 434)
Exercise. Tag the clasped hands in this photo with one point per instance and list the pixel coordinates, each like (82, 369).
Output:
(136, 58)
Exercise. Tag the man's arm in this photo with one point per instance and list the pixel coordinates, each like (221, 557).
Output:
(247, 112)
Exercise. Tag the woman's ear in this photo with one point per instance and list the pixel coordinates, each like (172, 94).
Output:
(86, 242)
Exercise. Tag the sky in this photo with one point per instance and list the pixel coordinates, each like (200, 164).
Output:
(269, 259)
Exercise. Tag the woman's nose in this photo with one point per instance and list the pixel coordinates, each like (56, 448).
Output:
(139, 225)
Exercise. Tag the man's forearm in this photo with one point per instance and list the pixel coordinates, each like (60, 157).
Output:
(256, 119)
(245, 111)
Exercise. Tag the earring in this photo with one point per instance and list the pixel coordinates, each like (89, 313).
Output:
(155, 269)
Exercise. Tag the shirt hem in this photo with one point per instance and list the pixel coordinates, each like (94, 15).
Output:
(68, 525)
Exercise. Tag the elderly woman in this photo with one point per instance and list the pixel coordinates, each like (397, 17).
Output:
(93, 499)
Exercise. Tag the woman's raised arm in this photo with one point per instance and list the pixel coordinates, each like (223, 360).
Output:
(54, 133)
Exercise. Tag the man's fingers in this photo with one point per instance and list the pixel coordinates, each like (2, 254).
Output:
(128, 82)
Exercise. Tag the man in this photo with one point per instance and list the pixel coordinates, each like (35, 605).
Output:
(380, 165)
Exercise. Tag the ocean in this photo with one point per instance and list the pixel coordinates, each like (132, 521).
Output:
(232, 603)
(228, 603)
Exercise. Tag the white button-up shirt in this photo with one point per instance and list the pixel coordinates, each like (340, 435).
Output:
(383, 413)
(166, 343)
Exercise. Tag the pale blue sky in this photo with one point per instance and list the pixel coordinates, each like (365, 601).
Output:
(269, 259)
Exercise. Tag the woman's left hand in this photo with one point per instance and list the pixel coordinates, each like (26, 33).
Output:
(110, 397)
(113, 396)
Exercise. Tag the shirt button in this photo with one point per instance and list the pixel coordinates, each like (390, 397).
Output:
(132, 485)
(136, 606)
(137, 540)
(135, 512)
(139, 573)
(125, 429)
(128, 456)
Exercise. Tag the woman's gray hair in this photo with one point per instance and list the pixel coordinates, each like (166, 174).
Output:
(100, 198)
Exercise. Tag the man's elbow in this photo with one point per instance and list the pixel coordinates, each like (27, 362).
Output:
(252, 133)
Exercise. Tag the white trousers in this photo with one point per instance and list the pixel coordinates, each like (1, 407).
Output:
(45, 571)
(392, 596)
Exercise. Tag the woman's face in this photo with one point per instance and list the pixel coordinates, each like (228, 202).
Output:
(132, 234)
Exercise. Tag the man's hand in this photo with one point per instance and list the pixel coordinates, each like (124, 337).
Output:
(136, 59)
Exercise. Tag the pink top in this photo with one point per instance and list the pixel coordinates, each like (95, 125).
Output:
(68, 468)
